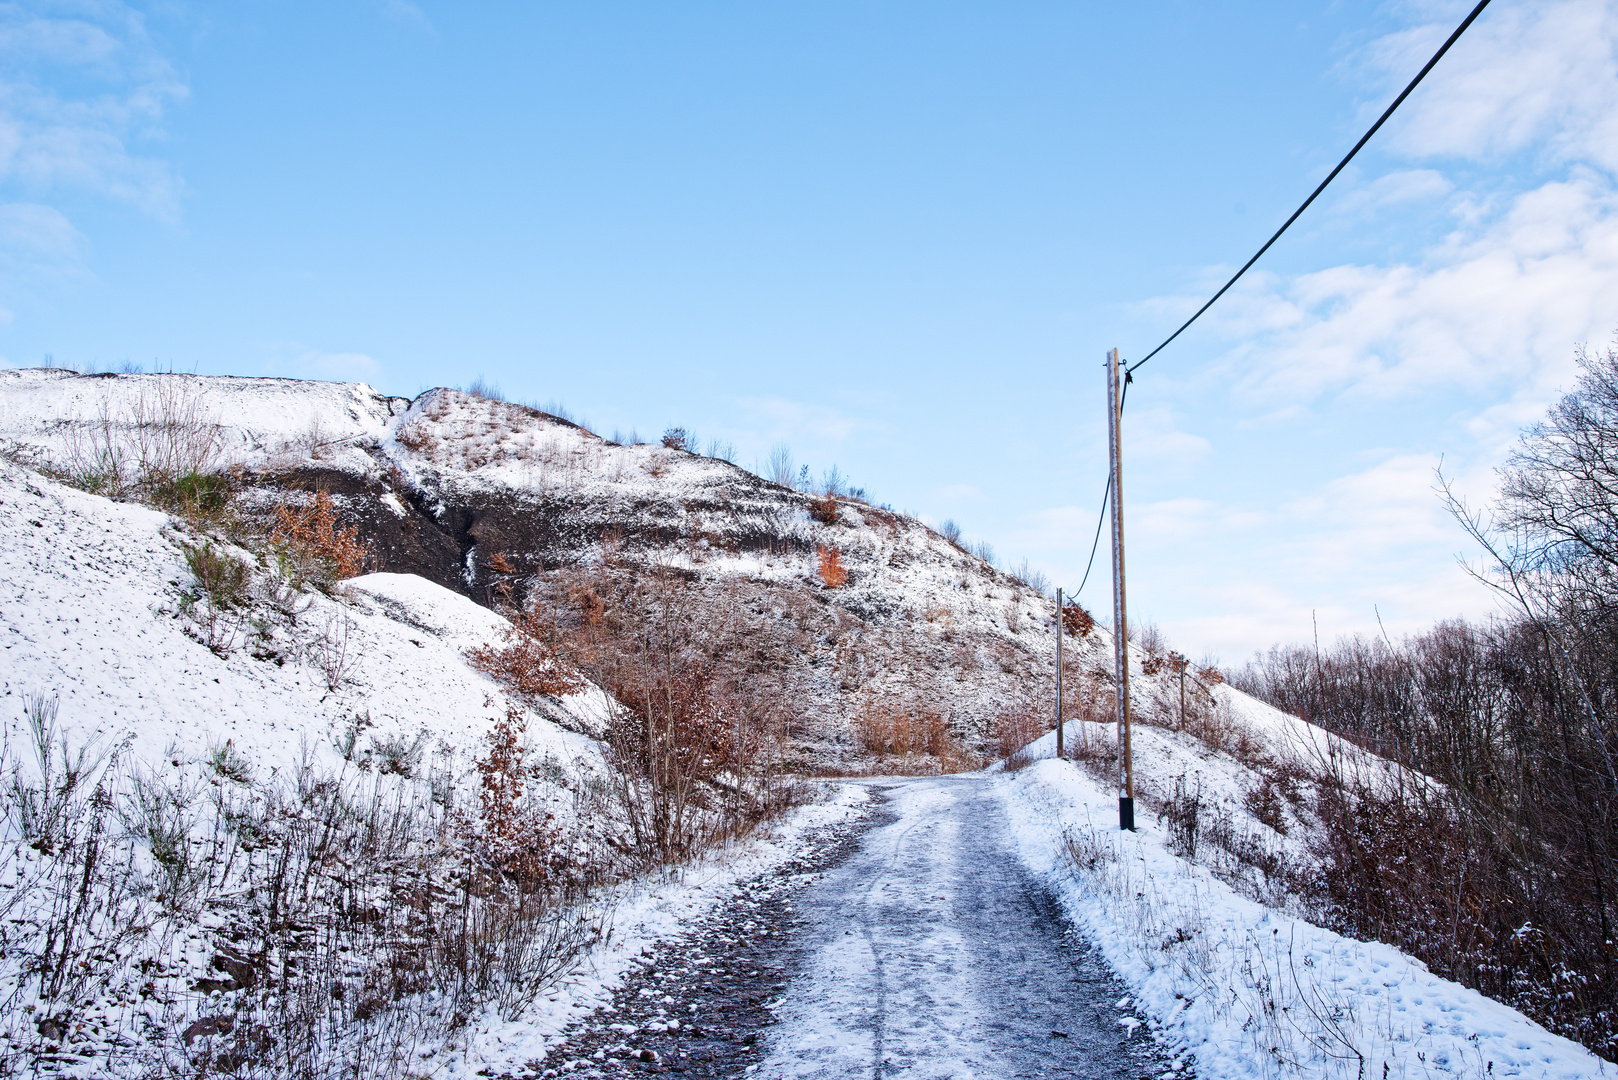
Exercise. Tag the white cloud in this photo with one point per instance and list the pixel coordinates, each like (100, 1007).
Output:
(1500, 307)
(773, 419)
(38, 246)
(1376, 540)
(407, 14)
(38, 239)
(1153, 440)
(86, 139)
(1527, 74)
(1395, 189)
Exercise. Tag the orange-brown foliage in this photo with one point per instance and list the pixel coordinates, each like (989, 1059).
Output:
(1075, 620)
(527, 664)
(510, 836)
(824, 509)
(311, 534)
(831, 567)
(503, 571)
(909, 732)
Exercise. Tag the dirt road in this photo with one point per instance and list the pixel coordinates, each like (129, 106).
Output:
(931, 953)
(909, 944)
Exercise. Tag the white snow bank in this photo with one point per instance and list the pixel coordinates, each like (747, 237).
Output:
(1247, 990)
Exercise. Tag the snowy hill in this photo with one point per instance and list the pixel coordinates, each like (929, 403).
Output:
(90, 597)
(441, 485)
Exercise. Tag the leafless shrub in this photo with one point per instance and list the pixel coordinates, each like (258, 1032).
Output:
(335, 651)
(983, 550)
(906, 738)
(721, 450)
(1502, 877)
(950, 531)
(46, 800)
(1018, 725)
(375, 922)
(215, 605)
(1183, 811)
(485, 391)
(781, 469)
(1027, 575)
(166, 434)
(694, 730)
(823, 508)
(1087, 850)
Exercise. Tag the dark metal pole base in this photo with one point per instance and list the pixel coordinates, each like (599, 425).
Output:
(1126, 813)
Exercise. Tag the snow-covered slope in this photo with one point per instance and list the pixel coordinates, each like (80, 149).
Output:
(441, 485)
(90, 613)
(1248, 989)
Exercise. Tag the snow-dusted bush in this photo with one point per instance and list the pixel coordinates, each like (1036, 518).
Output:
(695, 727)
(177, 921)
(311, 547)
(907, 738)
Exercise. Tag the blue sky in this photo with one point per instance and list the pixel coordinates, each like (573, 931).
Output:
(898, 237)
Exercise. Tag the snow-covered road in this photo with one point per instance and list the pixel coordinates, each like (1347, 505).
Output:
(933, 953)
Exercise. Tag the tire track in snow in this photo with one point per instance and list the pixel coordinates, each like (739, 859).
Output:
(964, 967)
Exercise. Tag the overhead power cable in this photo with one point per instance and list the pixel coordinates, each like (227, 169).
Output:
(1129, 371)
(1097, 541)
(1420, 75)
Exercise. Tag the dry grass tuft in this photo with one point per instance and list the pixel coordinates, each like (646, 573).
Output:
(907, 739)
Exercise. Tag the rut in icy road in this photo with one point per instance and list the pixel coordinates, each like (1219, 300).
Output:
(932, 953)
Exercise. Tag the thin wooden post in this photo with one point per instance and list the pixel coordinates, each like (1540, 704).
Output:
(1059, 748)
(1182, 692)
(1120, 620)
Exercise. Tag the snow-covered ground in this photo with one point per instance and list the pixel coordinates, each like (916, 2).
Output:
(94, 617)
(645, 912)
(90, 614)
(930, 954)
(1252, 991)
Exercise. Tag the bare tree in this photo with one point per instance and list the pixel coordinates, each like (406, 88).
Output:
(781, 468)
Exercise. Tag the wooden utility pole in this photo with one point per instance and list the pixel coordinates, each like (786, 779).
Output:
(1180, 661)
(1059, 753)
(1120, 621)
